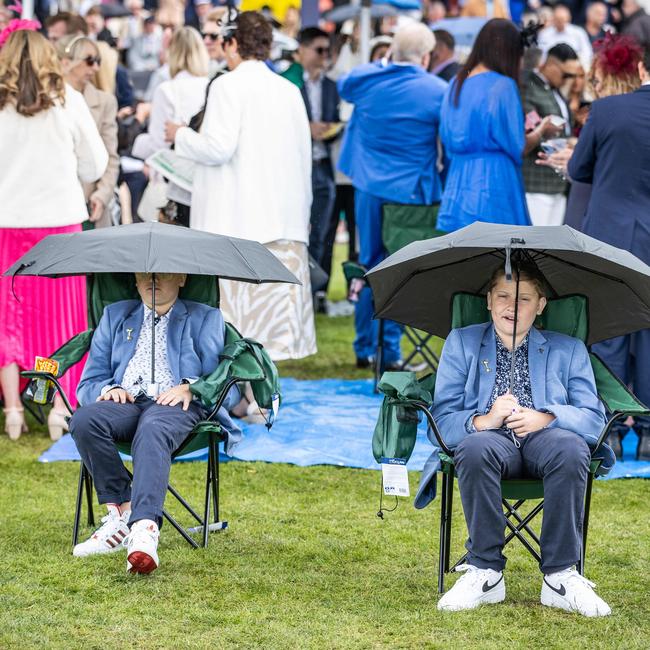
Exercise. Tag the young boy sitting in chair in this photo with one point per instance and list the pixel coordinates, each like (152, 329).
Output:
(114, 391)
(536, 431)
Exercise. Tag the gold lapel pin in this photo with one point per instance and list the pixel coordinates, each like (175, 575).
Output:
(129, 332)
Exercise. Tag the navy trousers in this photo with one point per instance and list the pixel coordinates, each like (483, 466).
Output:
(323, 195)
(154, 432)
(560, 458)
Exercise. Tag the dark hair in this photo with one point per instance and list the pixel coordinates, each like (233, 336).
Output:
(498, 47)
(646, 59)
(524, 271)
(445, 38)
(74, 23)
(562, 52)
(254, 36)
(309, 34)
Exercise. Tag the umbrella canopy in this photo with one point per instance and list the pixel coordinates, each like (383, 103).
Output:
(152, 248)
(464, 30)
(415, 286)
(347, 12)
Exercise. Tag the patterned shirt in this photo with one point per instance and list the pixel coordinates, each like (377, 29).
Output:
(138, 371)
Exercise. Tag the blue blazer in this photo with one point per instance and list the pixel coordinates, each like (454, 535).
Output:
(561, 381)
(195, 339)
(390, 145)
(613, 154)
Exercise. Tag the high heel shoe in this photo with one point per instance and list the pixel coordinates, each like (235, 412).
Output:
(57, 423)
(14, 422)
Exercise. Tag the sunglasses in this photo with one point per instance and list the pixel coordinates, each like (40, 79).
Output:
(90, 61)
(165, 26)
(322, 51)
(569, 75)
(213, 36)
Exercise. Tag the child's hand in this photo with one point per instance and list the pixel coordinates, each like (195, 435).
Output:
(525, 421)
(503, 407)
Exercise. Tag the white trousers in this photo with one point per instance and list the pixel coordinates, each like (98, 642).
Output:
(546, 209)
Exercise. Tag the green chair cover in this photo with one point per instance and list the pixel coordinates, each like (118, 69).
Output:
(396, 428)
(404, 224)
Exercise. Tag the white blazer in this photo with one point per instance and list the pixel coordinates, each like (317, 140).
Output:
(42, 160)
(253, 177)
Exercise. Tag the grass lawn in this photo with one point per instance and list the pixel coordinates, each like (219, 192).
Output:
(305, 563)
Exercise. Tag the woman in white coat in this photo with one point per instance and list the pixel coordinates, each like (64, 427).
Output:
(253, 180)
(48, 143)
(176, 100)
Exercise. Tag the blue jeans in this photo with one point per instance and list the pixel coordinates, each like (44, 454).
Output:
(560, 458)
(368, 213)
(154, 432)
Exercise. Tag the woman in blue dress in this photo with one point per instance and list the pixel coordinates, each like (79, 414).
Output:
(482, 130)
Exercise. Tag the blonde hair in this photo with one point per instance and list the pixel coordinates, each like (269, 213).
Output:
(70, 46)
(216, 15)
(612, 84)
(105, 77)
(30, 74)
(187, 52)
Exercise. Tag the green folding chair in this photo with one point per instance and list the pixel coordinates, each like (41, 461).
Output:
(241, 360)
(567, 315)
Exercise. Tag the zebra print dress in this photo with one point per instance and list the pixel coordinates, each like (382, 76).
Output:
(279, 316)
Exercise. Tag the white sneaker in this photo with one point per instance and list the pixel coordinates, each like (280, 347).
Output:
(476, 587)
(570, 591)
(142, 547)
(108, 537)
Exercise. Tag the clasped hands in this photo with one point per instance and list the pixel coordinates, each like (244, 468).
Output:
(175, 395)
(506, 411)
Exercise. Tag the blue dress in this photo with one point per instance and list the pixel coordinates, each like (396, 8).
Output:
(484, 139)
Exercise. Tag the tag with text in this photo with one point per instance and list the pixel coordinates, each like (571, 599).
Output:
(395, 477)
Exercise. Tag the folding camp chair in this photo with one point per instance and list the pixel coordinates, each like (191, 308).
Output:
(567, 315)
(241, 360)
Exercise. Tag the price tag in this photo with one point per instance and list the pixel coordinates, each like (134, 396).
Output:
(395, 477)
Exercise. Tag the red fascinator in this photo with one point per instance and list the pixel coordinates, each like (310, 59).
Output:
(617, 54)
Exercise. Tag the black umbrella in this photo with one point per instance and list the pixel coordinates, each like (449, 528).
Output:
(416, 285)
(152, 248)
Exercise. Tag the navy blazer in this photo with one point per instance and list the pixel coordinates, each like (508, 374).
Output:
(613, 154)
(329, 106)
(561, 381)
(195, 339)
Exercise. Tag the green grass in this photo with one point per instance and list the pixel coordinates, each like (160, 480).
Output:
(304, 564)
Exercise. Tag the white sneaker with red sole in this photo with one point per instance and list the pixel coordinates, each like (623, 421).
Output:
(108, 537)
(142, 547)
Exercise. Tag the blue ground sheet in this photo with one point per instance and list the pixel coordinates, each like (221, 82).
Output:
(330, 422)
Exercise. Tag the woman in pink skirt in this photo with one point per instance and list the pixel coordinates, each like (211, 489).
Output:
(48, 143)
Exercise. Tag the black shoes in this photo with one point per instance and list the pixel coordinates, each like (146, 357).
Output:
(369, 362)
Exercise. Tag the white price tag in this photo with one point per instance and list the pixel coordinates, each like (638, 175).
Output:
(395, 477)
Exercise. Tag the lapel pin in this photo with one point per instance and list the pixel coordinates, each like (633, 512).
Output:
(129, 332)
(487, 367)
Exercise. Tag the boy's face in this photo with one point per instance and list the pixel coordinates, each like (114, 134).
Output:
(167, 287)
(501, 303)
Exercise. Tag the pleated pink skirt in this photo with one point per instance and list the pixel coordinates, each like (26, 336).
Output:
(47, 313)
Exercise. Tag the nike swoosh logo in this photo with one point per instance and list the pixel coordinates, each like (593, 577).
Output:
(488, 587)
(561, 591)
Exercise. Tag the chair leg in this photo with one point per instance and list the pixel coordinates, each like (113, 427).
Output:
(379, 360)
(89, 499)
(585, 524)
(215, 476)
(443, 556)
(208, 492)
(450, 503)
(81, 484)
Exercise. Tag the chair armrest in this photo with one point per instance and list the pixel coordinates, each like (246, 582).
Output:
(434, 427)
(36, 374)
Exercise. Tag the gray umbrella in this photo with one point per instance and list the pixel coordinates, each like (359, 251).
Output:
(415, 286)
(152, 248)
(347, 12)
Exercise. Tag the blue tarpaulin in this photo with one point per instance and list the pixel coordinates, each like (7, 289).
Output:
(329, 422)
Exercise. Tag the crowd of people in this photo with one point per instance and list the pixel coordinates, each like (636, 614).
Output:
(291, 138)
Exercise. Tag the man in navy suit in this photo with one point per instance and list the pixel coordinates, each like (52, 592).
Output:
(119, 404)
(322, 103)
(390, 152)
(613, 154)
(541, 426)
